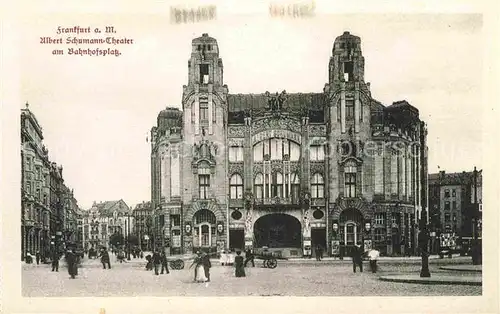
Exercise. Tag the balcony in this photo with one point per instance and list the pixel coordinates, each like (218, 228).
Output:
(277, 201)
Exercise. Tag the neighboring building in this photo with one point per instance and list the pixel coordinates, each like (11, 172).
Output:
(452, 203)
(48, 205)
(103, 220)
(35, 187)
(287, 171)
(143, 224)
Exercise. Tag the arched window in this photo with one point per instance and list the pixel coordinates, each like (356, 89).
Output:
(317, 186)
(204, 215)
(277, 187)
(259, 186)
(350, 180)
(236, 187)
(276, 149)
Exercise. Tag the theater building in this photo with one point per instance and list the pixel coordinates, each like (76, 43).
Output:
(289, 171)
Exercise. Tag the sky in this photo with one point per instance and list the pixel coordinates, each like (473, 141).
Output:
(96, 112)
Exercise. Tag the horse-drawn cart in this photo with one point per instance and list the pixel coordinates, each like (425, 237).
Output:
(269, 259)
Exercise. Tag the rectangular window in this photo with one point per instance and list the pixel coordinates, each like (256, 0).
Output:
(348, 71)
(176, 220)
(258, 152)
(350, 185)
(317, 153)
(203, 112)
(204, 185)
(454, 193)
(446, 193)
(454, 205)
(349, 109)
(235, 153)
(379, 234)
(380, 219)
(447, 217)
(446, 205)
(204, 73)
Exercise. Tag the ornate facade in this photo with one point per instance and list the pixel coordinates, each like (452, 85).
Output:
(49, 209)
(287, 171)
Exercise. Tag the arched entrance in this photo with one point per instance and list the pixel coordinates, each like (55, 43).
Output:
(351, 229)
(204, 229)
(278, 231)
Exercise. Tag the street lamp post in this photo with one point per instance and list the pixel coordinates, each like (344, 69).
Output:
(423, 236)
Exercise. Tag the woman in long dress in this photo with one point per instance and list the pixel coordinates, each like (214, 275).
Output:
(199, 272)
(239, 266)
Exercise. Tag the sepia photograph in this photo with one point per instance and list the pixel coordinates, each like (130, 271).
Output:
(284, 151)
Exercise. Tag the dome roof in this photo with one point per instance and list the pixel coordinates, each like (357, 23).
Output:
(170, 113)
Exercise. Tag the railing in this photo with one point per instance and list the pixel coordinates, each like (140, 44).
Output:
(278, 201)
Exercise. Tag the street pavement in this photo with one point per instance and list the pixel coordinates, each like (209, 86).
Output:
(290, 278)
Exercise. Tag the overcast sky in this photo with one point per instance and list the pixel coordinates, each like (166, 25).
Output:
(96, 112)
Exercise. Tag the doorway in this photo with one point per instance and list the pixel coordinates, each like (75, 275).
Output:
(318, 237)
(278, 231)
(237, 239)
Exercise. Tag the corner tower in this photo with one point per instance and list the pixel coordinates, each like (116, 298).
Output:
(204, 168)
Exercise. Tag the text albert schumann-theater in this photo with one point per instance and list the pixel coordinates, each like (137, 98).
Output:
(288, 171)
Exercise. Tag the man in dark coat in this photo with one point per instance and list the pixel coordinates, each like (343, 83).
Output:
(356, 258)
(55, 261)
(37, 257)
(205, 259)
(249, 257)
(71, 260)
(164, 263)
(156, 261)
(105, 259)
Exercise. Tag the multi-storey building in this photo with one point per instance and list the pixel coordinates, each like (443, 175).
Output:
(47, 203)
(287, 171)
(452, 202)
(143, 224)
(35, 188)
(104, 219)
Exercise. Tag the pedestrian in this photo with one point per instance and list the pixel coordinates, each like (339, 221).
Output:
(37, 257)
(105, 259)
(149, 264)
(249, 257)
(373, 254)
(156, 261)
(198, 267)
(341, 251)
(356, 258)
(164, 263)
(320, 252)
(71, 261)
(317, 253)
(55, 261)
(239, 265)
(206, 265)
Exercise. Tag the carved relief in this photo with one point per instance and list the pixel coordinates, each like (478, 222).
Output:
(236, 167)
(317, 167)
(257, 168)
(236, 131)
(276, 124)
(317, 130)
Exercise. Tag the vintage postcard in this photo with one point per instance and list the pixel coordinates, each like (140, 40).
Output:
(270, 155)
